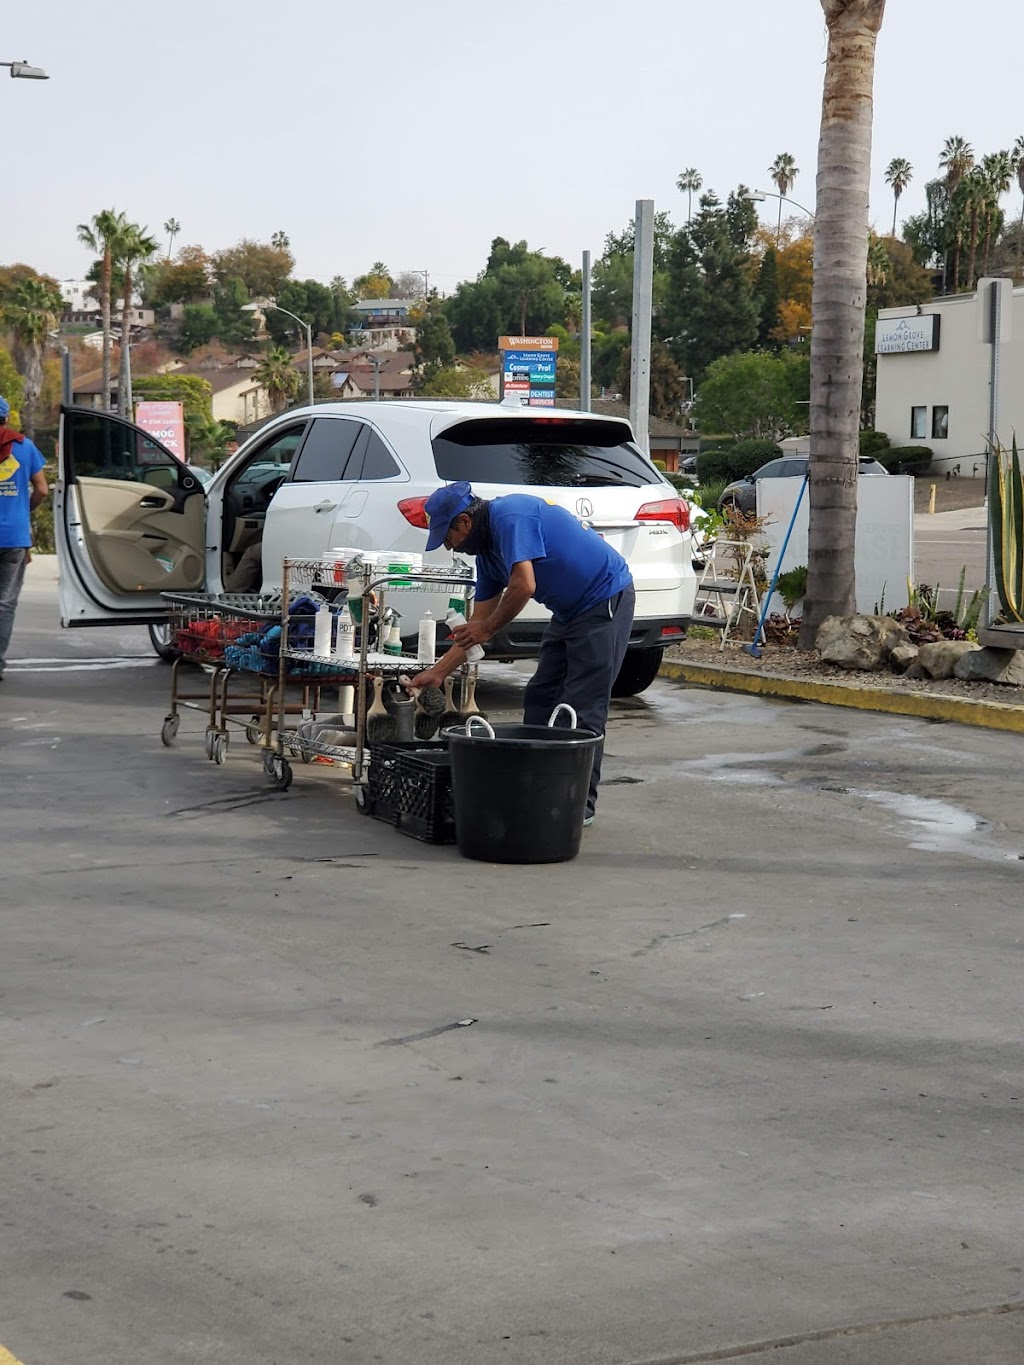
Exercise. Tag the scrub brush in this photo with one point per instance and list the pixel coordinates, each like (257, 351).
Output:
(380, 727)
(451, 715)
(469, 707)
(430, 706)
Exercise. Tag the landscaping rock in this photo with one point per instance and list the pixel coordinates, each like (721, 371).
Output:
(861, 642)
(939, 660)
(901, 658)
(1004, 666)
(915, 672)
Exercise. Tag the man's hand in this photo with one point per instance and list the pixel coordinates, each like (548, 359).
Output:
(475, 632)
(430, 677)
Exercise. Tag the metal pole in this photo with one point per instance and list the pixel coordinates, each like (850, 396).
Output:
(309, 361)
(640, 335)
(585, 338)
(995, 325)
(67, 388)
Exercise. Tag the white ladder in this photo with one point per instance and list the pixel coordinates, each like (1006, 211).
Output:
(729, 594)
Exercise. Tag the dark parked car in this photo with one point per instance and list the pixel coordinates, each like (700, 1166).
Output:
(743, 494)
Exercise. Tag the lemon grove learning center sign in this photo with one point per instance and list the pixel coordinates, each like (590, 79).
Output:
(895, 336)
(528, 369)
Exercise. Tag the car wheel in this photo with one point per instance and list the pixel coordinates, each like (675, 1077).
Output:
(160, 639)
(638, 671)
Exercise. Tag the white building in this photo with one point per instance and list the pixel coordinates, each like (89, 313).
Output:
(935, 375)
(76, 295)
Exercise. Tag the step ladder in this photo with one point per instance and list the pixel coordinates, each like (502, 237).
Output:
(723, 594)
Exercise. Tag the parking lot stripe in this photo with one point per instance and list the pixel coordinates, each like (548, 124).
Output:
(7, 1359)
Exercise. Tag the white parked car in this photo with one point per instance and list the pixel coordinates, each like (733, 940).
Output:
(133, 521)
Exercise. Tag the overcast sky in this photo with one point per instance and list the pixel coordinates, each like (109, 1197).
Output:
(414, 131)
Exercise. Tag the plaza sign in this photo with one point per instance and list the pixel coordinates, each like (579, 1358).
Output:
(528, 369)
(897, 336)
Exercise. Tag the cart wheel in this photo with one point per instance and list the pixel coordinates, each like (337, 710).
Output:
(208, 742)
(362, 800)
(220, 748)
(305, 755)
(269, 759)
(253, 733)
(282, 774)
(169, 730)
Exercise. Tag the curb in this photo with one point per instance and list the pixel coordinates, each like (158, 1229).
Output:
(989, 715)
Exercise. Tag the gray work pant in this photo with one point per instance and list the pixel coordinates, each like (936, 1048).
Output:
(579, 661)
(12, 575)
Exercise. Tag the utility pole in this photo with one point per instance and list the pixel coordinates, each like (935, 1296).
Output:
(585, 338)
(640, 335)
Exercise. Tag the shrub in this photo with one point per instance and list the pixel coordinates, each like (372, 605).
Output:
(717, 442)
(736, 463)
(905, 459)
(871, 442)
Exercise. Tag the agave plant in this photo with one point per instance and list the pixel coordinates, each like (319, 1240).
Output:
(1006, 508)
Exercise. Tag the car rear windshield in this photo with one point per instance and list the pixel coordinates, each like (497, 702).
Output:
(573, 452)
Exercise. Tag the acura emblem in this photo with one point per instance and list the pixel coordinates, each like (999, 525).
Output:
(585, 507)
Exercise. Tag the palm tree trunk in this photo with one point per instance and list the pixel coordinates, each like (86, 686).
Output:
(838, 301)
(988, 243)
(956, 266)
(778, 226)
(124, 387)
(105, 318)
(972, 258)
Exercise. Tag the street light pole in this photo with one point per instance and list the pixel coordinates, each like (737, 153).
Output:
(759, 196)
(306, 326)
(376, 362)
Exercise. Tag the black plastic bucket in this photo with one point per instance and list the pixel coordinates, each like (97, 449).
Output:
(520, 797)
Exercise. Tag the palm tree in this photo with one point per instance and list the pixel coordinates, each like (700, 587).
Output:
(898, 175)
(100, 236)
(280, 240)
(172, 227)
(783, 172)
(1017, 161)
(132, 248)
(956, 159)
(32, 312)
(997, 168)
(837, 337)
(976, 189)
(689, 183)
(278, 376)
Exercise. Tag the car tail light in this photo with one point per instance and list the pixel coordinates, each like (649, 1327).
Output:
(675, 510)
(672, 630)
(414, 511)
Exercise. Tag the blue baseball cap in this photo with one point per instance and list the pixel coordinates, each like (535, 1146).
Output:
(443, 507)
(5, 409)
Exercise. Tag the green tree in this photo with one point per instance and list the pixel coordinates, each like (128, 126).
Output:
(234, 327)
(898, 175)
(453, 383)
(750, 395)
(519, 291)
(783, 172)
(101, 234)
(31, 312)
(134, 246)
(434, 345)
(199, 326)
(191, 391)
(767, 293)
(375, 284)
(688, 183)
(278, 376)
(667, 388)
(261, 267)
(11, 383)
(837, 348)
(185, 280)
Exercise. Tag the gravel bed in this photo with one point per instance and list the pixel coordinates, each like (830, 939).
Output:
(785, 662)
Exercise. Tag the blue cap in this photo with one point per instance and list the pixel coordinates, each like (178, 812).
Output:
(5, 409)
(443, 507)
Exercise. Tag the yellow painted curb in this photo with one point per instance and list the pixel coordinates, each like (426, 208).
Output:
(7, 1359)
(990, 715)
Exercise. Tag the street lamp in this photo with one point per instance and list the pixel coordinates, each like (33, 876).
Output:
(759, 196)
(21, 71)
(308, 326)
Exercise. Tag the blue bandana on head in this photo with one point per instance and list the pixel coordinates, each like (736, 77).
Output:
(5, 409)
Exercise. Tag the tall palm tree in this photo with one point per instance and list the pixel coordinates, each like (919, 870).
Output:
(1017, 161)
(838, 299)
(997, 168)
(133, 247)
(280, 240)
(898, 175)
(956, 159)
(278, 376)
(689, 183)
(100, 235)
(783, 172)
(32, 312)
(172, 227)
(976, 188)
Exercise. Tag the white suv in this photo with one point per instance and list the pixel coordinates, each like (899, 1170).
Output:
(133, 521)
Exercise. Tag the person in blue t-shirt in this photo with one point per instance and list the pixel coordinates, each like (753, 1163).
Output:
(528, 548)
(23, 487)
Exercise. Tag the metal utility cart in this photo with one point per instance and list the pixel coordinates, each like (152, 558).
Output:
(368, 580)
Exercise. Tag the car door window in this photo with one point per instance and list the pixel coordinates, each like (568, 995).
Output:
(327, 450)
(773, 470)
(101, 447)
(378, 462)
(794, 469)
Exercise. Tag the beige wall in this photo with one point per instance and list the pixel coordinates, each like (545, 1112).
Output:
(242, 402)
(955, 376)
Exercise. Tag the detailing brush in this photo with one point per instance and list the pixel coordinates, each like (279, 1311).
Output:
(451, 714)
(469, 706)
(380, 726)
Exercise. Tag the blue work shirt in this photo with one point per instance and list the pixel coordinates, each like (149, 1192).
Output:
(16, 469)
(575, 569)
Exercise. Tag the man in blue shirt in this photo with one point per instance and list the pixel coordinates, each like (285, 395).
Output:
(528, 548)
(23, 487)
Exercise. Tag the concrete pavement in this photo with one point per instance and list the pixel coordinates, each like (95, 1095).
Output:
(741, 1082)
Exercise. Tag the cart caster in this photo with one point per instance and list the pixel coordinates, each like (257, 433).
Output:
(169, 730)
(362, 799)
(280, 772)
(305, 755)
(220, 748)
(209, 739)
(269, 759)
(253, 733)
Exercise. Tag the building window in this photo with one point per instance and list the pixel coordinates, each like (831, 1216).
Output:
(940, 423)
(918, 423)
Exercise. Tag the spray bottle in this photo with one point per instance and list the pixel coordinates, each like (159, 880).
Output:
(426, 649)
(393, 639)
(322, 630)
(455, 616)
(345, 634)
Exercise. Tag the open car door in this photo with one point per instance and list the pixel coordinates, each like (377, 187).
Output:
(129, 522)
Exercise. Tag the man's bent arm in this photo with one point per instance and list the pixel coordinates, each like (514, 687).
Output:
(40, 491)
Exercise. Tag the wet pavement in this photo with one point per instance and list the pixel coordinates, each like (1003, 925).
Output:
(280, 1085)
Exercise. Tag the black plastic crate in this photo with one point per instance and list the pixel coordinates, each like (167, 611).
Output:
(410, 786)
